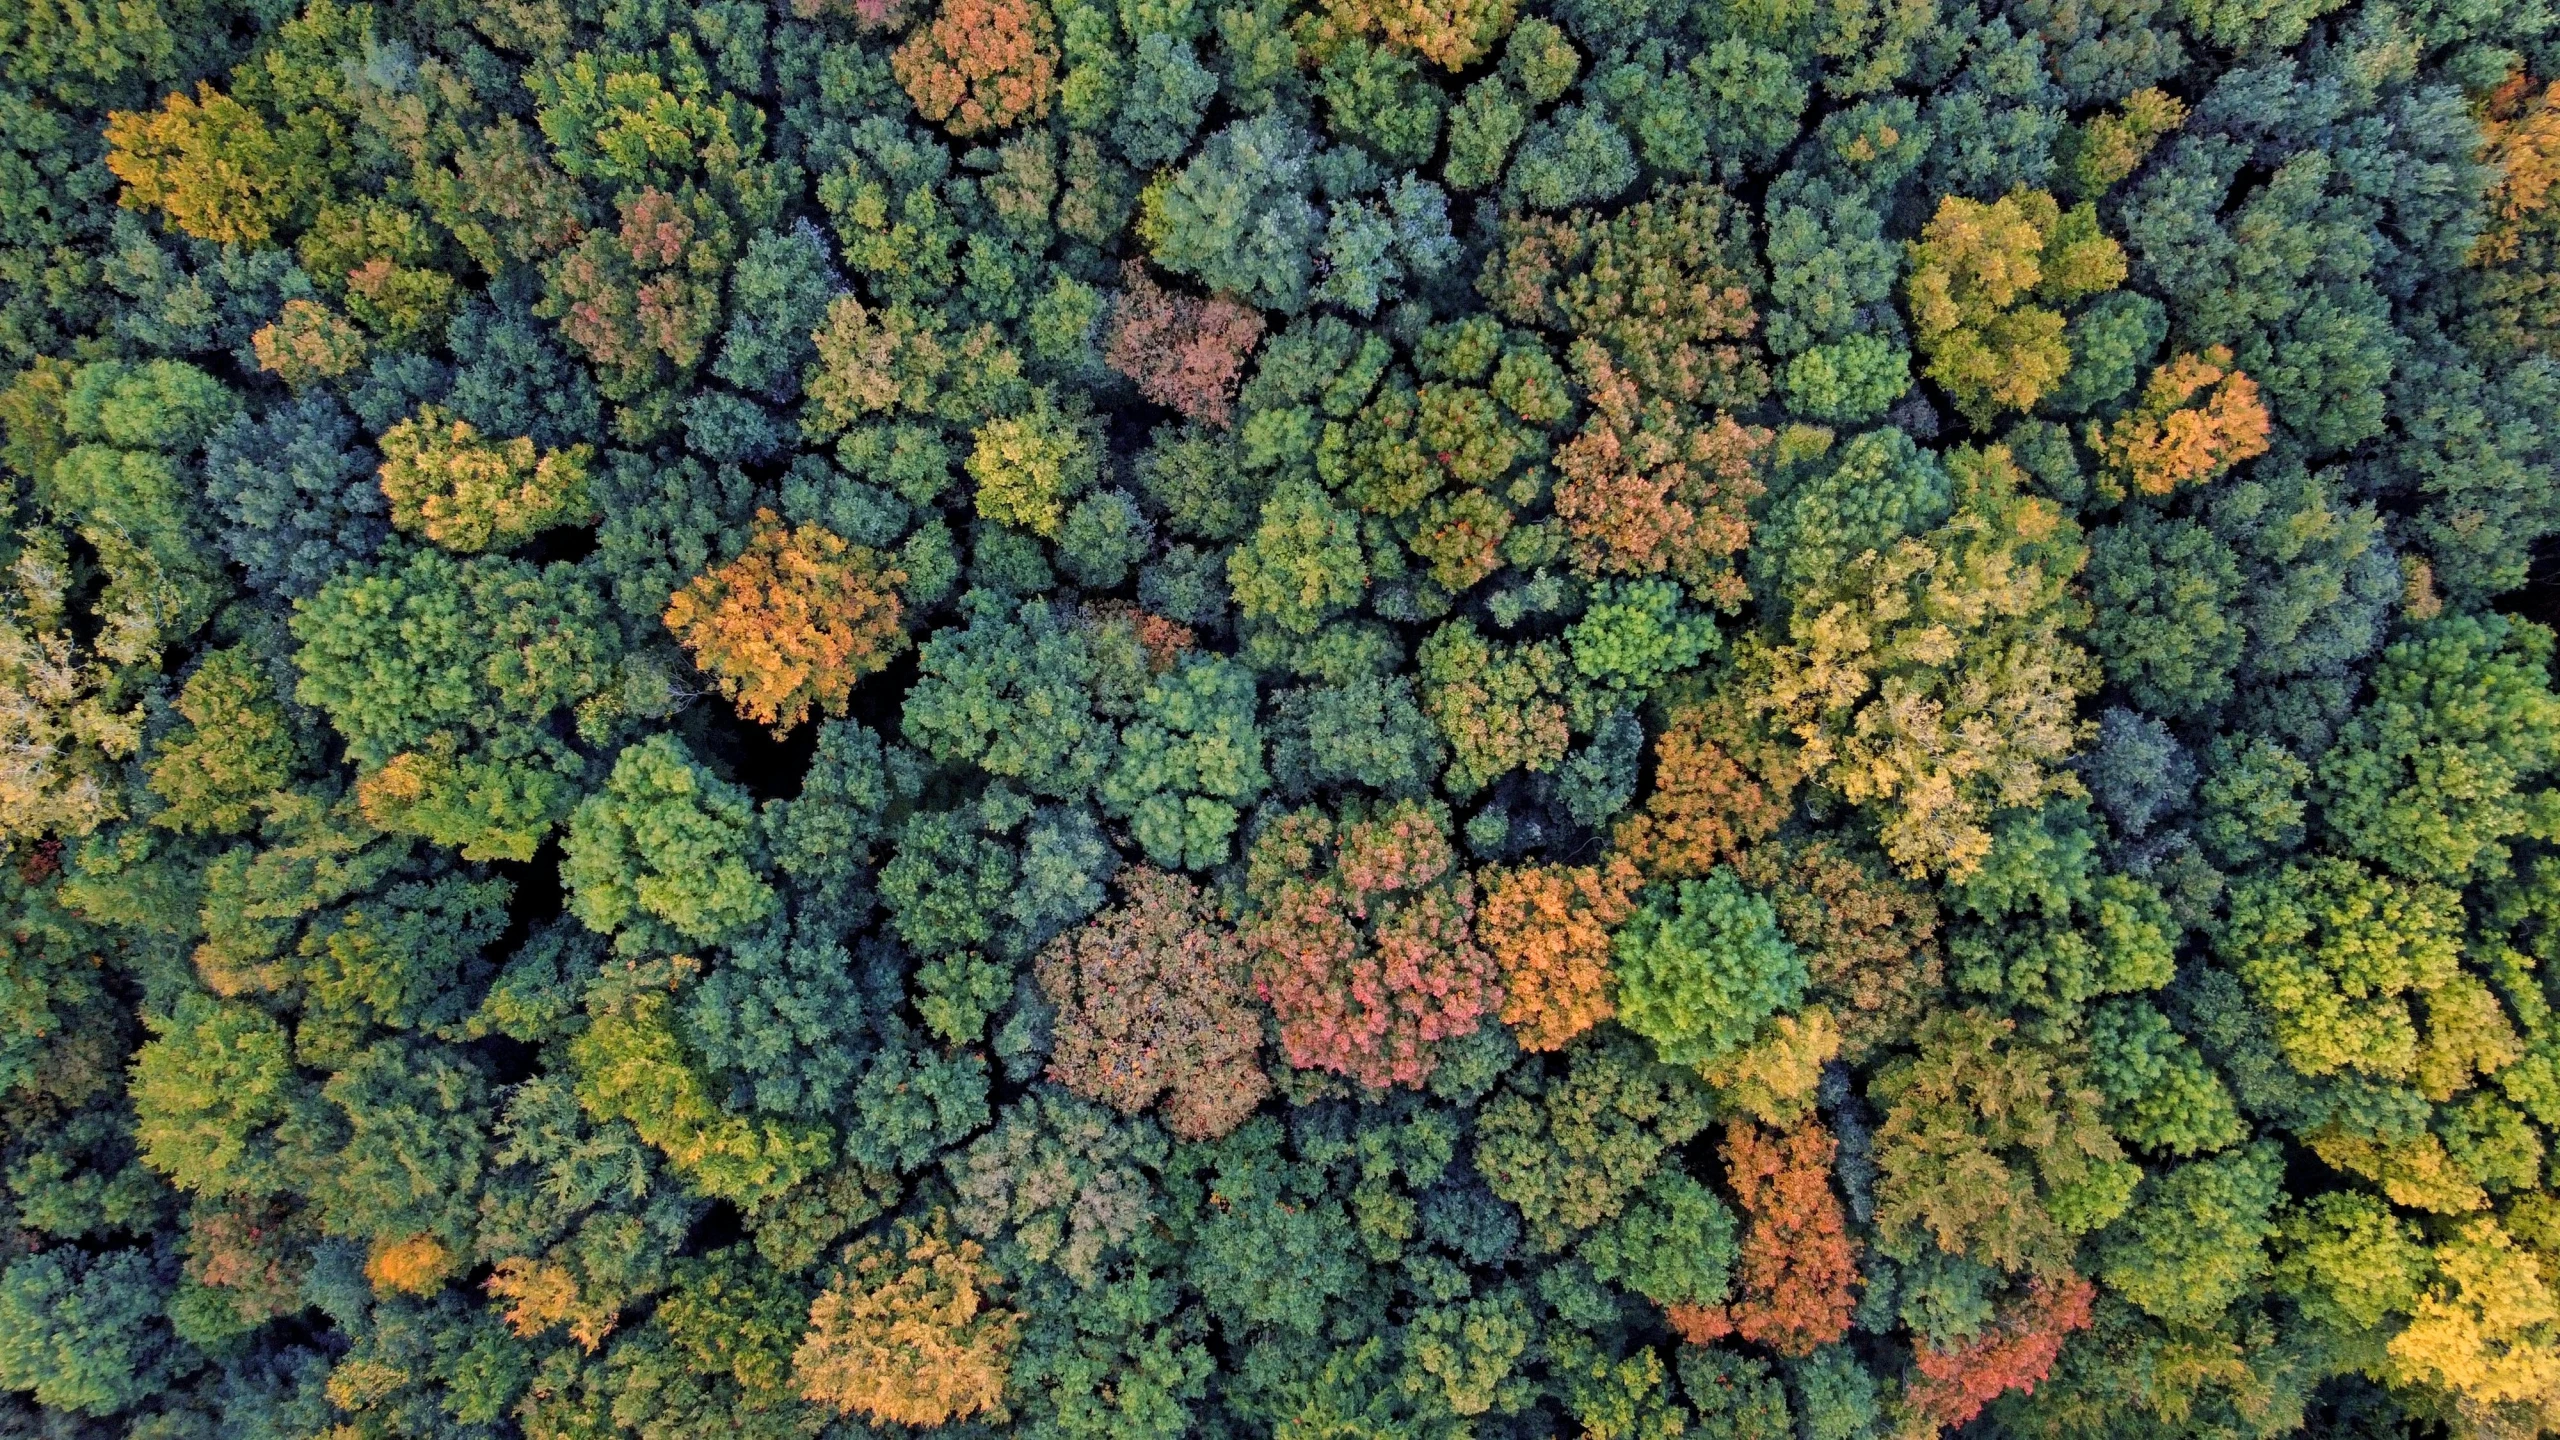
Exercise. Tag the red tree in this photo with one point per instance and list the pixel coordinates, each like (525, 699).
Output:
(1799, 1266)
(2016, 1353)
(1183, 351)
(1363, 944)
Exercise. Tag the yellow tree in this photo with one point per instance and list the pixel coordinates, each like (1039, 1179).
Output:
(466, 492)
(904, 1333)
(1984, 283)
(791, 624)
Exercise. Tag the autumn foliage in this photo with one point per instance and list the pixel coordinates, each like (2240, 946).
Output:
(1704, 809)
(1183, 351)
(2173, 438)
(1152, 1006)
(2016, 1353)
(1799, 1272)
(905, 1333)
(980, 65)
(1451, 34)
(1547, 927)
(790, 625)
(1363, 944)
(465, 492)
(1643, 491)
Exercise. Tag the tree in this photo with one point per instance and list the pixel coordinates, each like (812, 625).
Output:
(2429, 777)
(2195, 1240)
(1547, 927)
(778, 296)
(643, 300)
(1151, 998)
(1058, 1186)
(1975, 271)
(1189, 762)
(2160, 1092)
(2484, 1328)
(631, 1065)
(1182, 352)
(1449, 35)
(235, 750)
(1570, 1150)
(1302, 564)
(2520, 133)
(210, 1090)
(981, 65)
(2337, 955)
(904, 1333)
(220, 169)
(1362, 938)
(666, 852)
(1869, 939)
(1666, 287)
(1799, 1267)
(85, 1333)
(1700, 966)
(290, 504)
(794, 623)
(462, 492)
(1237, 217)
(1643, 491)
(1014, 694)
(1500, 707)
(1704, 809)
(1952, 1386)
(1028, 466)
(1673, 1245)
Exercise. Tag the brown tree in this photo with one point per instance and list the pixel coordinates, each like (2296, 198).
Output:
(1183, 351)
(1153, 1004)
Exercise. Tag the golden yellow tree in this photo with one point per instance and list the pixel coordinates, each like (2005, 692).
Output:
(466, 492)
(791, 624)
(904, 1333)
(1984, 283)
(2488, 1329)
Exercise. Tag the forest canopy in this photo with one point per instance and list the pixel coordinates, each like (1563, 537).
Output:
(1317, 719)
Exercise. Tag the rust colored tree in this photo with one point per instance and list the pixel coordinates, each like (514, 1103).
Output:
(1547, 927)
(1362, 937)
(2016, 1353)
(1451, 34)
(1183, 351)
(1799, 1267)
(791, 624)
(981, 65)
(1643, 491)
(643, 301)
(1704, 809)
(1153, 1005)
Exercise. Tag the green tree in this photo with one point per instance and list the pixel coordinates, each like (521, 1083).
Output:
(1701, 966)
(666, 853)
